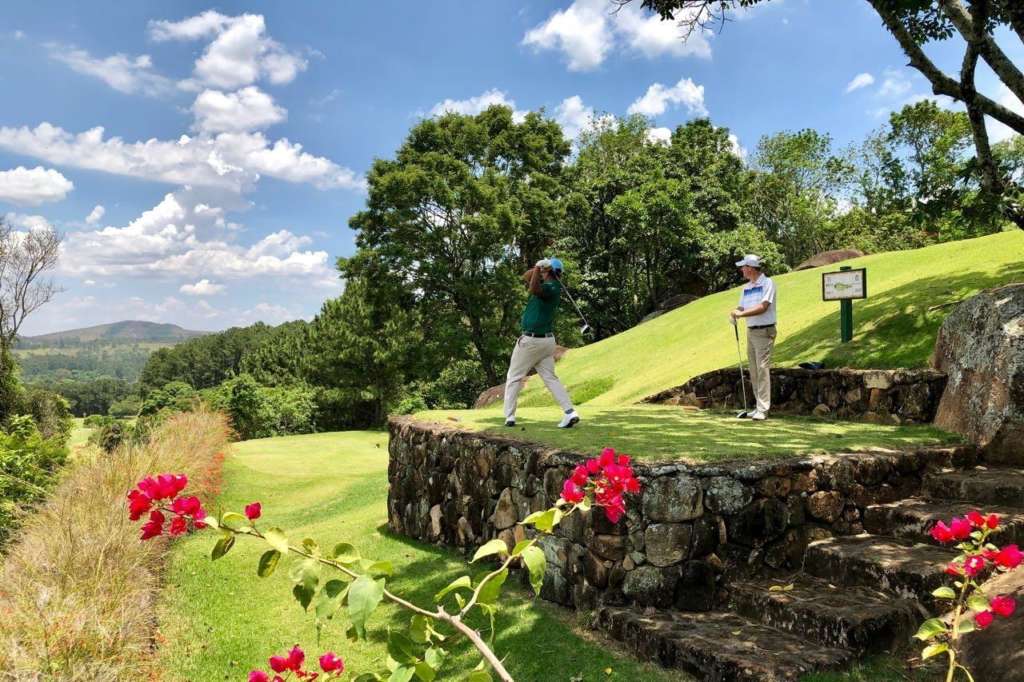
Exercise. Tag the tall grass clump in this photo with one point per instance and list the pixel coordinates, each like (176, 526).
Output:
(77, 587)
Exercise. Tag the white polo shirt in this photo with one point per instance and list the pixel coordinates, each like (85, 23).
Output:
(755, 293)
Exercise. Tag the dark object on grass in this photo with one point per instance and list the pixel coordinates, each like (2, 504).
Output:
(812, 365)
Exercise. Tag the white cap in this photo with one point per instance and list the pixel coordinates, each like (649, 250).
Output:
(751, 260)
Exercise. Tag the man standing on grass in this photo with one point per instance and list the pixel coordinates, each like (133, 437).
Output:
(535, 348)
(757, 307)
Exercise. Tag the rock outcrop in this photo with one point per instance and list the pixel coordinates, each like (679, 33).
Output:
(980, 347)
(828, 258)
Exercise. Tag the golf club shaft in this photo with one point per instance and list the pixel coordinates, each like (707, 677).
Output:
(573, 301)
(739, 355)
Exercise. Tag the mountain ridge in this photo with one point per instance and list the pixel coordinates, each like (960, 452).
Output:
(122, 331)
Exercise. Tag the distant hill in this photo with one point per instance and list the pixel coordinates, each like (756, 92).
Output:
(127, 331)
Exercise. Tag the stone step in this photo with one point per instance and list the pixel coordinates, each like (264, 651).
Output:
(910, 570)
(719, 646)
(980, 486)
(913, 519)
(856, 617)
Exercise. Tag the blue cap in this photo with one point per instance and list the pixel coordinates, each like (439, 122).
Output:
(556, 264)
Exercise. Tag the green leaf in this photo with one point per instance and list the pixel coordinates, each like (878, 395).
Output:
(434, 657)
(309, 544)
(536, 564)
(378, 568)
(495, 546)
(418, 629)
(425, 672)
(306, 573)
(521, 545)
(965, 626)
(459, 583)
(303, 595)
(401, 648)
(403, 673)
(976, 602)
(368, 677)
(331, 598)
(363, 597)
(492, 588)
(275, 537)
(930, 628)
(479, 676)
(944, 593)
(585, 504)
(235, 521)
(212, 522)
(934, 650)
(544, 521)
(223, 546)
(268, 562)
(345, 553)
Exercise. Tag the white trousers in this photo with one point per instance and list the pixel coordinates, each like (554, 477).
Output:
(760, 343)
(533, 353)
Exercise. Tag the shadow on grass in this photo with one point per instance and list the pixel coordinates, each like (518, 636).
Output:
(903, 327)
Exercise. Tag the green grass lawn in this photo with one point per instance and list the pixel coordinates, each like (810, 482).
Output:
(652, 432)
(218, 619)
(894, 327)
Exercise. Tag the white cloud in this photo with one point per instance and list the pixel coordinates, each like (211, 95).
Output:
(575, 117)
(588, 30)
(27, 222)
(203, 287)
(228, 160)
(239, 54)
(475, 105)
(658, 97)
(270, 313)
(896, 84)
(31, 187)
(247, 109)
(122, 72)
(998, 132)
(659, 135)
(95, 215)
(861, 80)
(19, 34)
(737, 149)
(182, 236)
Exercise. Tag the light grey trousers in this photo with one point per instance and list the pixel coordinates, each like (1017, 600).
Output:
(531, 352)
(759, 360)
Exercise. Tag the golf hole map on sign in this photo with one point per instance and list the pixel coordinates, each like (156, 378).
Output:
(844, 285)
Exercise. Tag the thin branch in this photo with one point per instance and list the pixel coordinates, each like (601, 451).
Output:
(976, 36)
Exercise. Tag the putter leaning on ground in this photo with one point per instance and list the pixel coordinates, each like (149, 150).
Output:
(757, 307)
(535, 348)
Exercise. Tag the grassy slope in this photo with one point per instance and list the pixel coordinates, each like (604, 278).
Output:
(893, 327)
(219, 620)
(654, 432)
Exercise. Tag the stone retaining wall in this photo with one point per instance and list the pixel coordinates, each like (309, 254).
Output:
(693, 526)
(897, 396)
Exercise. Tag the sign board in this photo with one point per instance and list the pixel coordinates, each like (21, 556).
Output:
(844, 285)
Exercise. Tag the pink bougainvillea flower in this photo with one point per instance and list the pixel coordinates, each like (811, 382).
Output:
(197, 519)
(976, 518)
(186, 505)
(992, 521)
(295, 658)
(983, 619)
(954, 569)
(974, 565)
(572, 492)
(153, 527)
(942, 533)
(961, 528)
(330, 663)
(278, 663)
(178, 526)
(1003, 605)
(138, 504)
(1009, 557)
(258, 676)
(253, 511)
(607, 457)
(593, 466)
(580, 475)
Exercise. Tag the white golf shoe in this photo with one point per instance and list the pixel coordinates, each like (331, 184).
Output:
(759, 416)
(569, 420)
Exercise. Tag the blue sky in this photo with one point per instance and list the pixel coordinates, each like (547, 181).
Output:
(202, 161)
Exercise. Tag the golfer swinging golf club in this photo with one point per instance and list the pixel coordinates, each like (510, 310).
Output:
(535, 348)
(757, 307)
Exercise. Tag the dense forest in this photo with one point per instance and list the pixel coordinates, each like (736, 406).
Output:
(468, 202)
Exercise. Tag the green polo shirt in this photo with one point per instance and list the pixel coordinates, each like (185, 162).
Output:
(539, 316)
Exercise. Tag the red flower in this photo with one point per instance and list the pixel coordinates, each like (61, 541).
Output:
(572, 492)
(197, 518)
(623, 460)
(580, 475)
(607, 458)
(330, 663)
(992, 521)
(974, 565)
(1009, 557)
(593, 466)
(258, 676)
(942, 533)
(983, 619)
(976, 518)
(186, 505)
(295, 658)
(278, 663)
(961, 528)
(178, 526)
(954, 569)
(153, 527)
(253, 511)
(138, 504)
(1003, 605)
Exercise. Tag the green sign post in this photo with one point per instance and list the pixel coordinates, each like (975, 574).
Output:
(844, 286)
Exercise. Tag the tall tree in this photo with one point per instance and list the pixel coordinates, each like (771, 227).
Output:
(465, 205)
(914, 23)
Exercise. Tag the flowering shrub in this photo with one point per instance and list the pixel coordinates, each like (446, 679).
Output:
(360, 584)
(978, 557)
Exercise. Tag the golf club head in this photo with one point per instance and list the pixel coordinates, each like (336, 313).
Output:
(585, 329)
